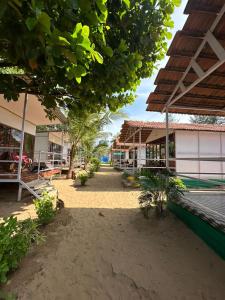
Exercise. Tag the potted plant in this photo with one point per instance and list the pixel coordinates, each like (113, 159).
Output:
(157, 188)
(83, 177)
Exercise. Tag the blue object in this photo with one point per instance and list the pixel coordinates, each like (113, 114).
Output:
(104, 159)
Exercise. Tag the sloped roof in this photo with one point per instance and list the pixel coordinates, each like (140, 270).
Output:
(130, 127)
(35, 112)
(206, 18)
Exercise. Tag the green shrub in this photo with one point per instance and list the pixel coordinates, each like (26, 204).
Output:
(15, 240)
(125, 175)
(157, 188)
(44, 208)
(91, 171)
(96, 163)
(83, 177)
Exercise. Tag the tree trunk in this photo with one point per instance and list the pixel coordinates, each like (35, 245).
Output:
(71, 165)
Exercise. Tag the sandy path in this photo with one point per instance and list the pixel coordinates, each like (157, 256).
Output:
(101, 247)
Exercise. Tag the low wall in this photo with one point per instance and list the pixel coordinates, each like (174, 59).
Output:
(212, 236)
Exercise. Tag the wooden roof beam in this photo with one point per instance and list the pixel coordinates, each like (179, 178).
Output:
(192, 107)
(181, 70)
(193, 96)
(200, 85)
(173, 98)
(193, 7)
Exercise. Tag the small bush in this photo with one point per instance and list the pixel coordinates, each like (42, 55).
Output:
(16, 238)
(91, 171)
(83, 177)
(157, 189)
(96, 163)
(44, 208)
(125, 175)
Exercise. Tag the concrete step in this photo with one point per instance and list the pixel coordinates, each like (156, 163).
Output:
(38, 183)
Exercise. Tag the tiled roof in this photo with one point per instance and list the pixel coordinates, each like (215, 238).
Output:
(175, 126)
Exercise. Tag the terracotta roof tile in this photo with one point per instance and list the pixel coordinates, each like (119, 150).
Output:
(176, 126)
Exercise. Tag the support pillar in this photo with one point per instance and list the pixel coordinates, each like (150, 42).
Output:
(21, 148)
(167, 138)
(62, 145)
(133, 152)
(120, 157)
(139, 152)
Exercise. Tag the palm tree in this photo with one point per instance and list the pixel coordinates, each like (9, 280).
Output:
(84, 129)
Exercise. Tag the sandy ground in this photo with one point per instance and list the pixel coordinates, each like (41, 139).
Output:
(9, 205)
(101, 247)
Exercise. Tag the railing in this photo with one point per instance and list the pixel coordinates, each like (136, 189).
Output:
(9, 161)
(137, 163)
(50, 160)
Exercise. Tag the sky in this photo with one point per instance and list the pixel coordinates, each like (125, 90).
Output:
(137, 110)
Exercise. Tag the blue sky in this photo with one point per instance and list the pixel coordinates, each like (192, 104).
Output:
(137, 111)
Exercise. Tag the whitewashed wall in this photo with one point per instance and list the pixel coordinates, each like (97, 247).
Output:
(141, 156)
(197, 144)
(66, 148)
(41, 144)
(126, 154)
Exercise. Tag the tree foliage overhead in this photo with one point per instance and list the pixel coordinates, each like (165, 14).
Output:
(81, 54)
(207, 120)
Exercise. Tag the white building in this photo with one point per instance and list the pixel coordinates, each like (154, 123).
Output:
(195, 150)
(18, 121)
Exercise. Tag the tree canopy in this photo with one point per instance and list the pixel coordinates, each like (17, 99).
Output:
(207, 120)
(81, 54)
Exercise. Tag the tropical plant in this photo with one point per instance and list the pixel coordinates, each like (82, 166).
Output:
(157, 189)
(101, 149)
(84, 129)
(83, 177)
(44, 208)
(16, 238)
(81, 54)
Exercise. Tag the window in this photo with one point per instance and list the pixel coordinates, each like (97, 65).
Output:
(10, 137)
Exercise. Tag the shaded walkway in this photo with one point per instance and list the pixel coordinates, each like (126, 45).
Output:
(101, 247)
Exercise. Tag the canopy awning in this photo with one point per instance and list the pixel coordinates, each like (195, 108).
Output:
(193, 80)
(35, 112)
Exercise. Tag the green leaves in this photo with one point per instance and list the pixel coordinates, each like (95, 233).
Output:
(92, 52)
(45, 21)
(103, 9)
(44, 208)
(85, 31)
(77, 29)
(177, 2)
(42, 19)
(98, 57)
(127, 2)
(63, 41)
(31, 23)
(108, 51)
(15, 239)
